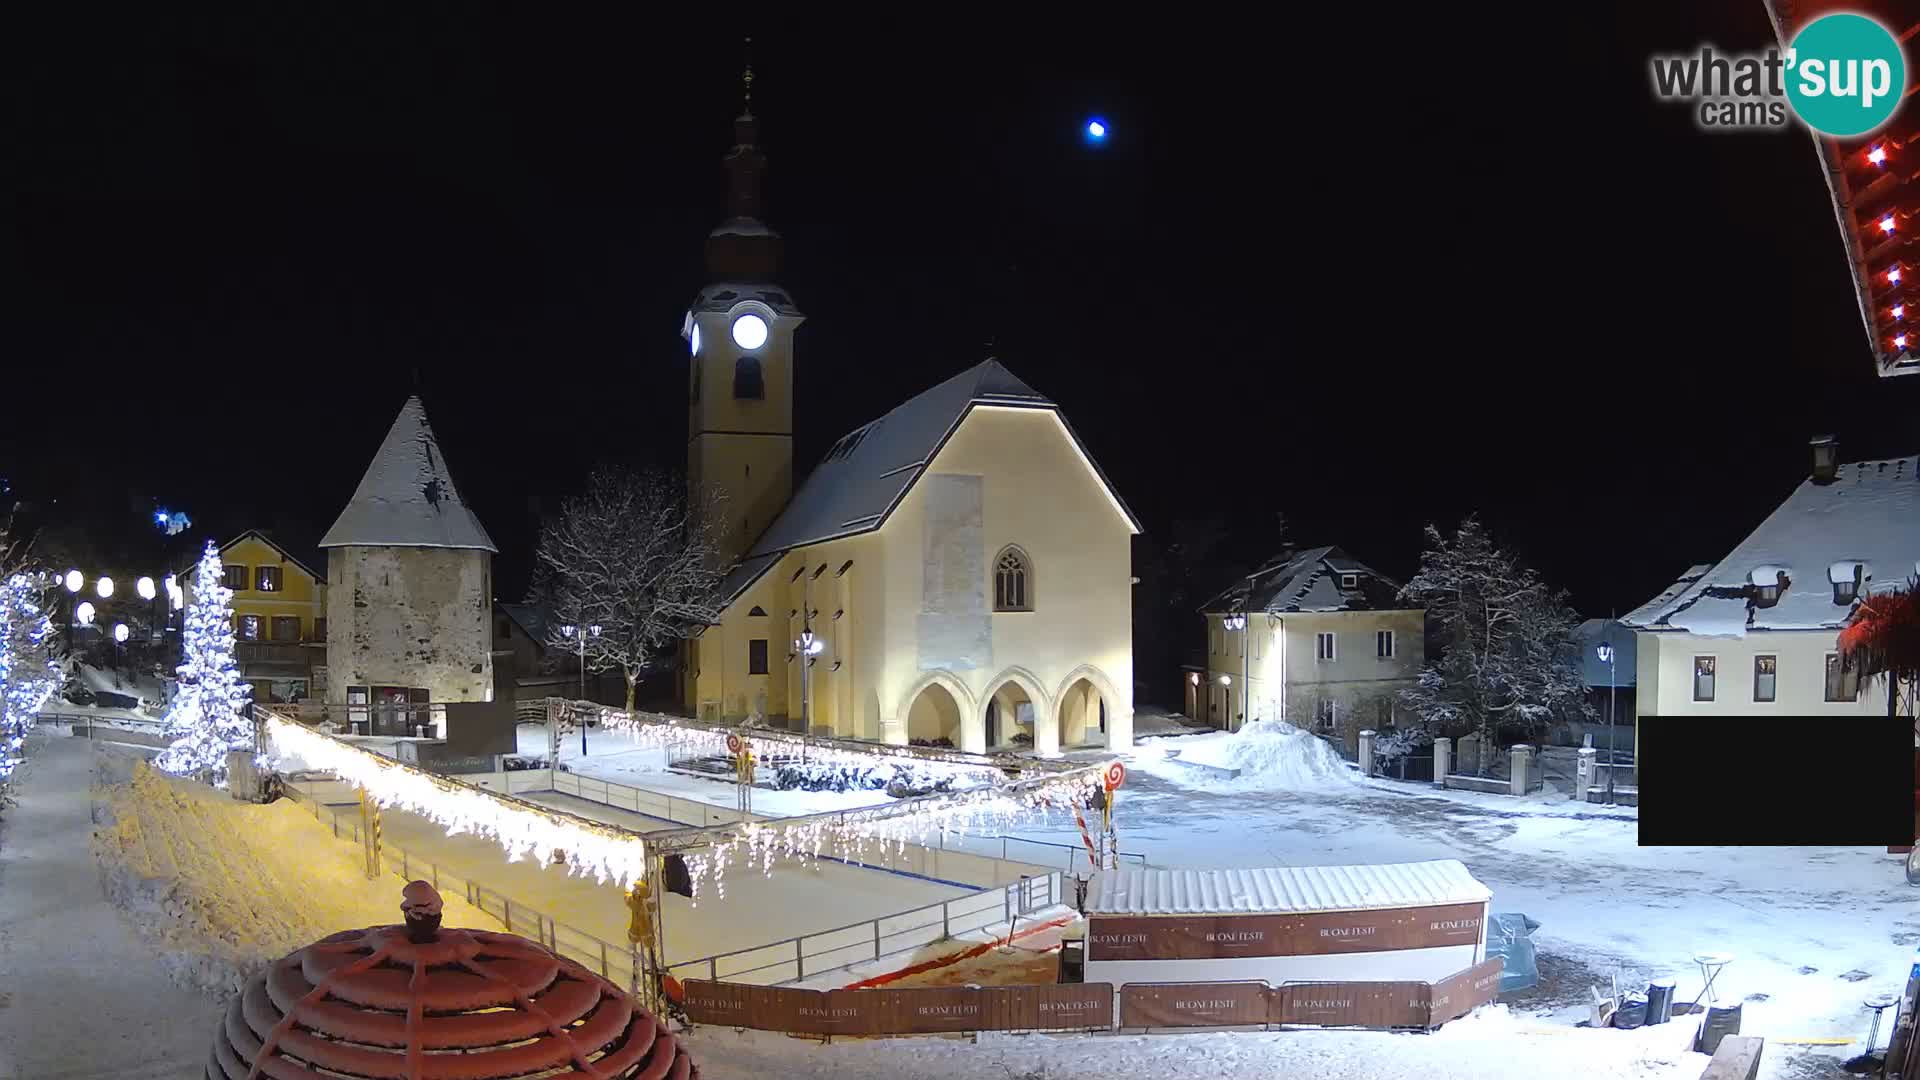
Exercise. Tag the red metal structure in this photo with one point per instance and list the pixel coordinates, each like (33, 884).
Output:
(415, 1002)
(1875, 181)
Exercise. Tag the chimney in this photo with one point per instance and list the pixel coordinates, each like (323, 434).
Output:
(1826, 458)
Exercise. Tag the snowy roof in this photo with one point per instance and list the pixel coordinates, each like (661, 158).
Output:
(306, 562)
(742, 226)
(1869, 514)
(870, 469)
(531, 620)
(1148, 891)
(1308, 581)
(722, 295)
(1591, 633)
(407, 497)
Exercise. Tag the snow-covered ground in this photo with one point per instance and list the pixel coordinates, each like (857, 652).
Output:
(1493, 1044)
(1813, 930)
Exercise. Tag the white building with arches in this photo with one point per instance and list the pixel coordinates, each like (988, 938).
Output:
(958, 570)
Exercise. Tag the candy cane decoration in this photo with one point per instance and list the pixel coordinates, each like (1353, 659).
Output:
(1086, 837)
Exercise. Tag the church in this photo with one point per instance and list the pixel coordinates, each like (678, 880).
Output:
(957, 572)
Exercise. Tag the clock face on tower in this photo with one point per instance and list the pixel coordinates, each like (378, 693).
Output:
(749, 331)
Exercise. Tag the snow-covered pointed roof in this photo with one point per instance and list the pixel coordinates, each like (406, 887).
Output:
(1150, 891)
(870, 469)
(1869, 514)
(407, 497)
(1307, 581)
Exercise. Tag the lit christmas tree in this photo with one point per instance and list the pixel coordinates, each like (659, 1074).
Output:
(205, 719)
(29, 670)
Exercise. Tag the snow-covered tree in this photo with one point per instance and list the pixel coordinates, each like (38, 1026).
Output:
(206, 717)
(30, 668)
(1503, 649)
(636, 557)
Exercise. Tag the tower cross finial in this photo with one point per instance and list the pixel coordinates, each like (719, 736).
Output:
(746, 80)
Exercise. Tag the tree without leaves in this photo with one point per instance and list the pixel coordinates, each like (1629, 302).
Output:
(1505, 651)
(635, 557)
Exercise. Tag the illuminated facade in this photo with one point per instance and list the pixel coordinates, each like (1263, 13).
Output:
(957, 571)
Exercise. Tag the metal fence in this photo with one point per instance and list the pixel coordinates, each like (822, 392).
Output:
(809, 955)
(1072, 854)
(615, 962)
(651, 803)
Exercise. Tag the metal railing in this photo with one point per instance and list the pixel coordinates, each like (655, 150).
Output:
(809, 955)
(1075, 853)
(614, 962)
(655, 804)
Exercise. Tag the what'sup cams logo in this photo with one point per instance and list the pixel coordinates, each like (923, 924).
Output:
(1842, 75)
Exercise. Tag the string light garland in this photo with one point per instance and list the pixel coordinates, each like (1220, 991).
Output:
(609, 853)
(992, 806)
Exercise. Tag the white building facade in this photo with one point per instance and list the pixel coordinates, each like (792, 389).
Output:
(1315, 638)
(1758, 631)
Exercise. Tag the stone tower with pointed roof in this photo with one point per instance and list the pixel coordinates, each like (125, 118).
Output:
(410, 576)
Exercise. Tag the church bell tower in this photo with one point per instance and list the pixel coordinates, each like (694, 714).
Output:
(740, 333)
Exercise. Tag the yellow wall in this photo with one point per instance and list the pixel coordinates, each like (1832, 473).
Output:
(1039, 493)
(1664, 661)
(299, 595)
(743, 447)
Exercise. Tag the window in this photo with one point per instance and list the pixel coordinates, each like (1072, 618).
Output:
(1383, 644)
(1323, 645)
(1845, 592)
(1703, 678)
(757, 656)
(1326, 714)
(236, 577)
(757, 612)
(247, 627)
(1213, 637)
(1012, 581)
(286, 628)
(747, 382)
(694, 395)
(266, 578)
(319, 629)
(1843, 680)
(1348, 581)
(1764, 668)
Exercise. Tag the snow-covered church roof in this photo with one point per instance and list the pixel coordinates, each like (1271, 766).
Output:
(870, 469)
(1868, 515)
(407, 497)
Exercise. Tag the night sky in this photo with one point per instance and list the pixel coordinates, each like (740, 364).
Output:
(1371, 271)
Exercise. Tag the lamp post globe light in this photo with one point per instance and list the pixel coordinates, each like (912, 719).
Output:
(84, 613)
(579, 635)
(145, 588)
(104, 587)
(74, 581)
(1605, 652)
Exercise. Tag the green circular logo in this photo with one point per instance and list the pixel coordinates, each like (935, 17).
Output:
(1845, 74)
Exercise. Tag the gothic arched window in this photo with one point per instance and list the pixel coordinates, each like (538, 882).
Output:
(747, 382)
(1012, 581)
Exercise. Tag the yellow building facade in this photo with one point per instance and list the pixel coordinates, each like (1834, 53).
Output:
(279, 616)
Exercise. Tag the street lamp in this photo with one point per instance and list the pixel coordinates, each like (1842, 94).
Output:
(1605, 652)
(145, 588)
(84, 613)
(579, 635)
(75, 581)
(105, 588)
(808, 646)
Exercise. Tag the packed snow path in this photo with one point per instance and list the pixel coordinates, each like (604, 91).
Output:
(80, 996)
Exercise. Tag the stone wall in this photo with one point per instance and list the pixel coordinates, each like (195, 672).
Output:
(400, 616)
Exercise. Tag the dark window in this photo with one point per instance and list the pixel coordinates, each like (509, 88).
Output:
(266, 578)
(758, 611)
(757, 656)
(1845, 592)
(1764, 668)
(1323, 647)
(747, 382)
(319, 629)
(247, 627)
(236, 577)
(1843, 680)
(1349, 581)
(1383, 644)
(286, 628)
(698, 363)
(1703, 667)
(1012, 581)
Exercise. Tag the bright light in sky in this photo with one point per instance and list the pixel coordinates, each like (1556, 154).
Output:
(1096, 129)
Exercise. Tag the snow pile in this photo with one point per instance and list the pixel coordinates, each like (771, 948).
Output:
(1270, 755)
(219, 889)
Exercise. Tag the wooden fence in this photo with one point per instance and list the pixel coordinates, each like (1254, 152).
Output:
(925, 1010)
